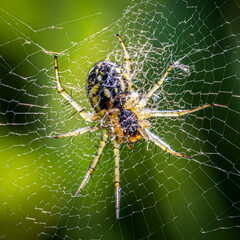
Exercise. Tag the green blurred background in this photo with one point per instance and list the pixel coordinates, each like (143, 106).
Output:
(162, 198)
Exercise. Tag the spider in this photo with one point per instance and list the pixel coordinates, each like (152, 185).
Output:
(118, 112)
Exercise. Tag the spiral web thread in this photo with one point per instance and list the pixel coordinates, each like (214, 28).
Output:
(162, 196)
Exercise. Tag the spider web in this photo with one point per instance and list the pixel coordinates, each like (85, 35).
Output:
(162, 196)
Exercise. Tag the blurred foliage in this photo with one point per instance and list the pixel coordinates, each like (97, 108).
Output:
(81, 19)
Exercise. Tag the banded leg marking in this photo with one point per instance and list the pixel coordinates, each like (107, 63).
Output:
(174, 113)
(145, 100)
(160, 143)
(79, 131)
(128, 62)
(64, 93)
(94, 161)
(117, 177)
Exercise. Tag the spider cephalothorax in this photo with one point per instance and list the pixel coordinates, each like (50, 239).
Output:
(129, 123)
(119, 112)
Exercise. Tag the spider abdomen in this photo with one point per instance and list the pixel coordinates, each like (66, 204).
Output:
(107, 86)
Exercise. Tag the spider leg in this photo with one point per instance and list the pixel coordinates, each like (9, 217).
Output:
(143, 133)
(79, 131)
(94, 161)
(117, 176)
(128, 61)
(145, 100)
(160, 143)
(174, 113)
(69, 99)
